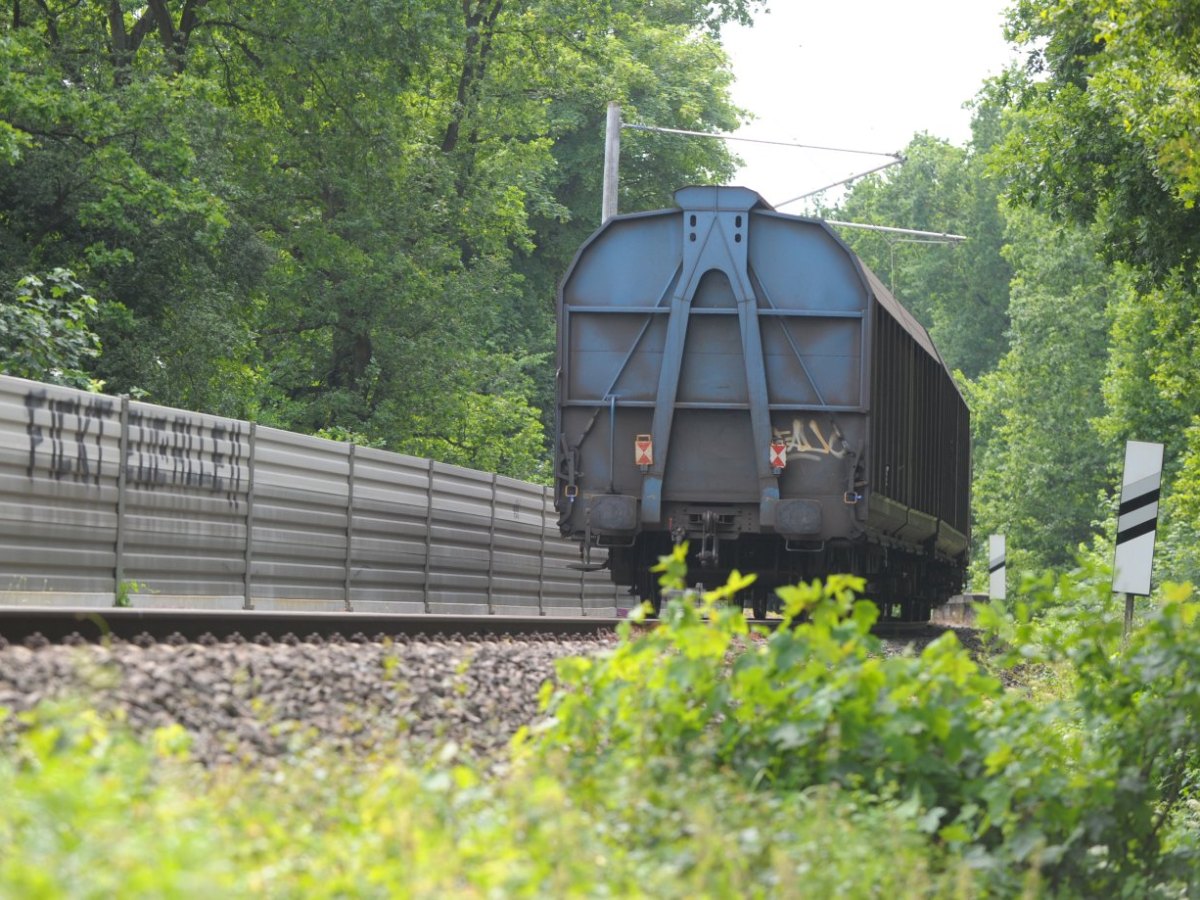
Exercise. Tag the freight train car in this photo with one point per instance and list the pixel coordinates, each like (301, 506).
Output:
(736, 377)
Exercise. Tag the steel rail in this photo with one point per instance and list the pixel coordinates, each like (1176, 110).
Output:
(54, 624)
(884, 629)
(909, 629)
(17, 624)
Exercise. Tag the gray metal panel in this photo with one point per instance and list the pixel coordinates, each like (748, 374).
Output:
(34, 596)
(59, 452)
(403, 535)
(389, 532)
(397, 607)
(298, 604)
(186, 482)
(159, 600)
(300, 494)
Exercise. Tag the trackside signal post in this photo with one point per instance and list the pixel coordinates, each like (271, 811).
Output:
(1137, 522)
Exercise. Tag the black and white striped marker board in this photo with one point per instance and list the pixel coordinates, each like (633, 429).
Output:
(997, 567)
(1137, 517)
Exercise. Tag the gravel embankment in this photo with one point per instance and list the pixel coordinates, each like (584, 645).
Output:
(260, 702)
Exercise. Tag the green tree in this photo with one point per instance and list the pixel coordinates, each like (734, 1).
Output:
(1040, 464)
(958, 291)
(108, 179)
(1104, 128)
(437, 236)
(45, 330)
(1104, 122)
(343, 218)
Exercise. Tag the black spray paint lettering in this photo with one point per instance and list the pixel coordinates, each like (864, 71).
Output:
(162, 451)
(182, 453)
(85, 436)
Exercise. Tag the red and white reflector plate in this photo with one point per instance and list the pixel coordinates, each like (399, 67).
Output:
(778, 455)
(643, 450)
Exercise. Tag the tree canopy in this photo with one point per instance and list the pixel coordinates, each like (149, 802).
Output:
(349, 219)
(1071, 310)
(344, 218)
(1104, 133)
(1105, 118)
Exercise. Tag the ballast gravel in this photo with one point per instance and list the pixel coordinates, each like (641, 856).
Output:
(261, 703)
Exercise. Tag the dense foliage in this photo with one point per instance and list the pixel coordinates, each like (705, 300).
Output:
(349, 220)
(92, 811)
(703, 757)
(1104, 135)
(45, 330)
(1071, 310)
(1087, 793)
(339, 217)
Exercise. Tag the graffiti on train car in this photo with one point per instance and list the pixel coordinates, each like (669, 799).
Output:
(797, 440)
(66, 441)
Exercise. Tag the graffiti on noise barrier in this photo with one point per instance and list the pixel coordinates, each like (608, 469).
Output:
(162, 450)
(77, 454)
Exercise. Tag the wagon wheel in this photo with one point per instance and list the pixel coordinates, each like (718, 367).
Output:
(648, 591)
(759, 603)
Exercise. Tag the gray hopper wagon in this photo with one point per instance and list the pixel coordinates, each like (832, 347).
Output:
(735, 377)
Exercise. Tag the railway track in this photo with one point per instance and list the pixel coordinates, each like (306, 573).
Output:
(262, 687)
(57, 625)
(259, 700)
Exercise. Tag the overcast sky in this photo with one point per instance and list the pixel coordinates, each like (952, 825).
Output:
(860, 74)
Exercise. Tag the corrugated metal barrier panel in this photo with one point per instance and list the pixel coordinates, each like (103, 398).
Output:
(59, 452)
(301, 497)
(184, 519)
(391, 532)
(104, 498)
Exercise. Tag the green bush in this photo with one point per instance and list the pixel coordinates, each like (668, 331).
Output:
(46, 330)
(702, 757)
(91, 811)
(1082, 792)
(1128, 821)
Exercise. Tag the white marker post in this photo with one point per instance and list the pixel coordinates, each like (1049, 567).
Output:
(1137, 522)
(997, 568)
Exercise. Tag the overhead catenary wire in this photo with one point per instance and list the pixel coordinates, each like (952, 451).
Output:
(887, 165)
(937, 237)
(895, 159)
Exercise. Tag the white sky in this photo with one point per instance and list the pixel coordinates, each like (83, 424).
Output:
(863, 74)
